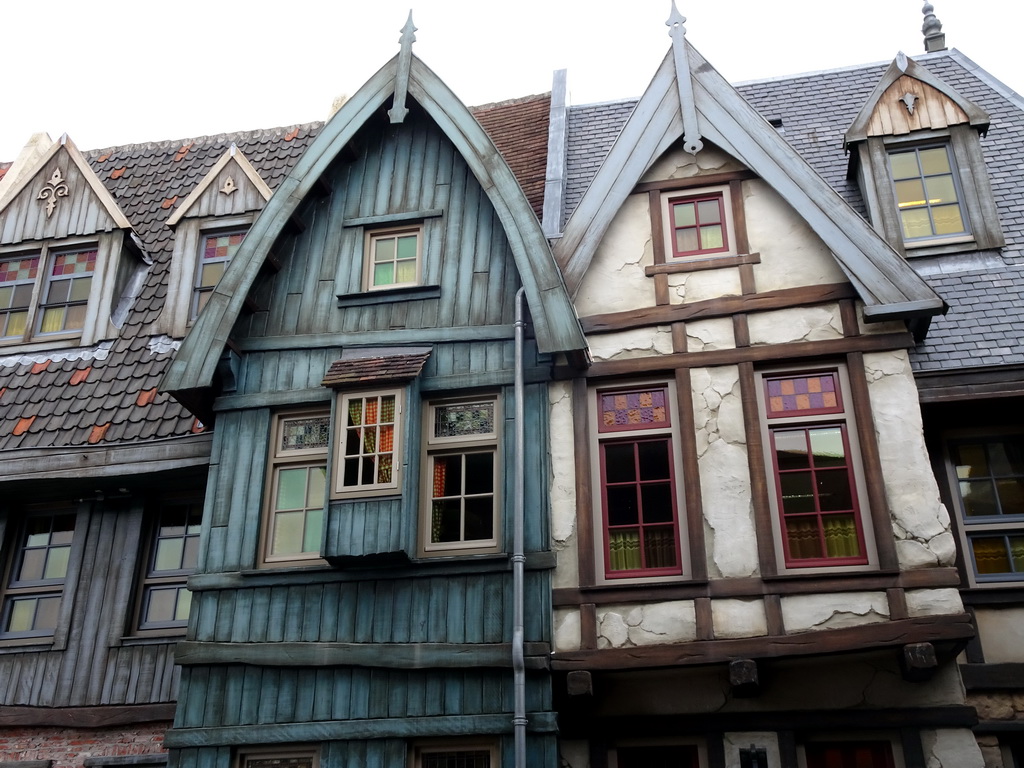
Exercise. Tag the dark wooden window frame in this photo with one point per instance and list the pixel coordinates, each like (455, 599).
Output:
(1009, 525)
(151, 579)
(724, 220)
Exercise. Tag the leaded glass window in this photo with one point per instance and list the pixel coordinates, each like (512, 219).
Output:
(67, 292)
(369, 443)
(215, 254)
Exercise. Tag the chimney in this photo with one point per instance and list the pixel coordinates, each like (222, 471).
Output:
(934, 39)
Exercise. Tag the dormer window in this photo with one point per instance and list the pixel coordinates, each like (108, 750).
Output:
(31, 306)
(218, 248)
(927, 193)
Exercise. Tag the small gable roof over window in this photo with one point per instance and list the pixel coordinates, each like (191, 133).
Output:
(231, 187)
(910, 98)
(554, 318)
(366, 368)
(689, 100)
(60, 196)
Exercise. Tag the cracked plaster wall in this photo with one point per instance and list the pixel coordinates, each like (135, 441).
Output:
(933, 602)
(738, 618)
(791, 253)
(801, 613)
(951, 748)
(703, 335)
(615, 281)
(919, 519)
(724, 474)
(568, 633)
(699, 286)
(562, 485)
(682, 165)
(626, 626)
(625, 345)
(784, 326)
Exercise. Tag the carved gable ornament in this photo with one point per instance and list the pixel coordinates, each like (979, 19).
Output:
(52, 190)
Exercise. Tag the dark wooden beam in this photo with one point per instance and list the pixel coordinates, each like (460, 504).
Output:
(788, 584)
(702, 265)
(956, 629)
(704, 180)
(85, 717)
(586, 512)
(387, 655)
(783, 298)
(762, 353)
(1004, 676)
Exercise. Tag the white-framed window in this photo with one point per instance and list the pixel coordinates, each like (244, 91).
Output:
(698, 223)
(45, 293)
(393, 257)
(368, 446)
(216, 250)
(986, 475)
(637, 481)
(461, 476)
(816, 479)
(296, 489)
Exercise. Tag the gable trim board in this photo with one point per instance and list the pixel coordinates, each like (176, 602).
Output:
(554, 318)
(119, 220)
(244, 166)
(888, 286)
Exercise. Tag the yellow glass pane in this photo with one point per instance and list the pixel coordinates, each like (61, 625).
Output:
(53, 320)
(916, 223)
(910, 193)
(22, 615)
(712, 237)
(904, 165)
(80, 288)
(184, 603)
(211, 274)
(57, 563)
(16, 323)
(940, 190)
(948, 220)
(75, 319)
(406, 272)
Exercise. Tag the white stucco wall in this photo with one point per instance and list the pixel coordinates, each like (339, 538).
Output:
(1000, 633)
(716, 333)
(801, 613)
(951, 748)
(919, 520)
(623, 345)
(678, 164)
(739, 618)
(616, 281)
(785, 326)
(562, 484)
(624, 626)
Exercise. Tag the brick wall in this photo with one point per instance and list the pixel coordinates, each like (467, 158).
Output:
(68, 747)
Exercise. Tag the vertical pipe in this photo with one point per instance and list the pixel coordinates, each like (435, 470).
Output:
(518, 556)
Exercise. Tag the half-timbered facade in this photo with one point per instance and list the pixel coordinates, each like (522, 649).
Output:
(754, 564)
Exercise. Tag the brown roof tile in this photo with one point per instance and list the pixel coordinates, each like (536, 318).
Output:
(365, 370)
(98, 432)
(23, 425)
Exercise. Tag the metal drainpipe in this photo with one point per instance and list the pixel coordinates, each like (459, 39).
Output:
(518, 557)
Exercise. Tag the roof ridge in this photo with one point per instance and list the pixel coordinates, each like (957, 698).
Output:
(208, 138)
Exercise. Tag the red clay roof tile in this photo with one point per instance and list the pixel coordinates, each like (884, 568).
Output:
(146, 397)
(119, 172)
(169, 202)
(23, 425)
(98, 432)
(40, 367)
(80, 375)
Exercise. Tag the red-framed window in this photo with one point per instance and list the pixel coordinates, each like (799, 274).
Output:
(698, 224)
(638, 483)
(851, 754)
(814, 470)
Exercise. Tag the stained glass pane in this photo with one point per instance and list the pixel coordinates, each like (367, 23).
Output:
(210, 274)
(801, 394)
(464, 419)
(638, 409)
(306, 433)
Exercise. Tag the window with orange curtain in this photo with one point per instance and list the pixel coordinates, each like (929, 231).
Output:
(368, 456)
(462, 476)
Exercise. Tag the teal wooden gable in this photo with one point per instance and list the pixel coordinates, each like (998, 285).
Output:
(363, 338)
(553, 316)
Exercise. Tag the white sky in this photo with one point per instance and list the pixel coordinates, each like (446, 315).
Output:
(113, 72)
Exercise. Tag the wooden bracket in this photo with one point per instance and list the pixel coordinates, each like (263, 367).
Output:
(918, 662)
(743, 678)
(579, 683)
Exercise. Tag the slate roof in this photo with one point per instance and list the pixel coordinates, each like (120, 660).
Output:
(984, 291)
(109, 394)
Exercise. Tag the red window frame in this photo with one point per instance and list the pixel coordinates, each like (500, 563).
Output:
(851, 754)
(698, 226)
(816, 496)
(639, 493)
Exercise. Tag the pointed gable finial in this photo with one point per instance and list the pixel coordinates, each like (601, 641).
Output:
(691, 131)
(398, 111)
(934, 38)
(902, 62)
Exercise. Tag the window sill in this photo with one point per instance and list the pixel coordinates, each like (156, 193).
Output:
(26, 645)
(698, 264)
(940, 247)
(45, 344)
(388, 295)
(165, 637)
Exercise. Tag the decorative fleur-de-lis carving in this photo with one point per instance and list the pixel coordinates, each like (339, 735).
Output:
(54, 188)
(229, 186)
(908, 100)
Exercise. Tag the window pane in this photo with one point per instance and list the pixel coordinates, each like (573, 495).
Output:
(797, 492)
(47, 609)
(313, 533)
(684, 214)
(624, 550)
(291, 488)
(802, 537)
(32, 564)
(828, 447)
(52, 320)
(1011, 496)
(6, 295)
(622, 505)
(74, 318)
(384, 274)
(948, 220)
(686, 240)
(317, 487)
(479, 473)
(791, 449)
(407, 247)
(841, 538)
(288, 532)
(904, 165)
(653, 459)
(460, 759)
(305, 434)
(712, 237)
(1007, 457)
(169, 553)
(934, 160)
(479, 519)
(384, 249)
(659, 547)
(80, 288)
(619, 462)
(210, 274)
(16, 322)
(161, 605)
(657, 502)
(940, 190)
(445, 521)
(464, 419)
(972, 461)
(916, 223)
(447, 476)
(978, 497)
(405, 272)
(58, 292)
(22, 615)
(709, 212)
(184, 604)
(834, 492)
